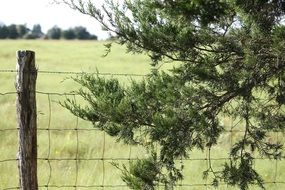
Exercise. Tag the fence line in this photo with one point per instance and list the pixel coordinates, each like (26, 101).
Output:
(77, 158)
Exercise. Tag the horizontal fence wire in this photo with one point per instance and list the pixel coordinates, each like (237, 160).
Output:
(93, 129)
(50, 159)
(78, 73)
(127, 159)
(125, 186)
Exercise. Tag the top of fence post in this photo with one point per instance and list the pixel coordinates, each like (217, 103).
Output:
(25, 64)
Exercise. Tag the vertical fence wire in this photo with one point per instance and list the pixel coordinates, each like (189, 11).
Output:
(207, 157)
(130, 155)
(181, 170)
(77, 149)
(49, 141)
(276, 160)
(103, 159)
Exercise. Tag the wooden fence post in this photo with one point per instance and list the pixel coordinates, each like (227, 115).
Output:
(27, 119)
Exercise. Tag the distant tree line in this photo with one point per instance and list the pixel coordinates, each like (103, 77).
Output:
(21, 31)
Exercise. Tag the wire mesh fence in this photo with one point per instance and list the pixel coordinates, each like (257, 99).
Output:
(74, 155)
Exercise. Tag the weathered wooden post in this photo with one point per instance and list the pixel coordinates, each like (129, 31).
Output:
(27, 119)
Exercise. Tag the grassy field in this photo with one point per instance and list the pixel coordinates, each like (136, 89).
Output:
(63, 146)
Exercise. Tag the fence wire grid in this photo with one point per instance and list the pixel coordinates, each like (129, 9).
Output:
(68, 159)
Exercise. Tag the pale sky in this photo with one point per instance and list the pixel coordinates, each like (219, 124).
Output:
(47, 14)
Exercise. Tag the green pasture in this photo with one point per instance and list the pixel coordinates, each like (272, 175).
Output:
(90, 146)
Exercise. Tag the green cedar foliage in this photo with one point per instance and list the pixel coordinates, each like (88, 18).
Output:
(232, 63)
